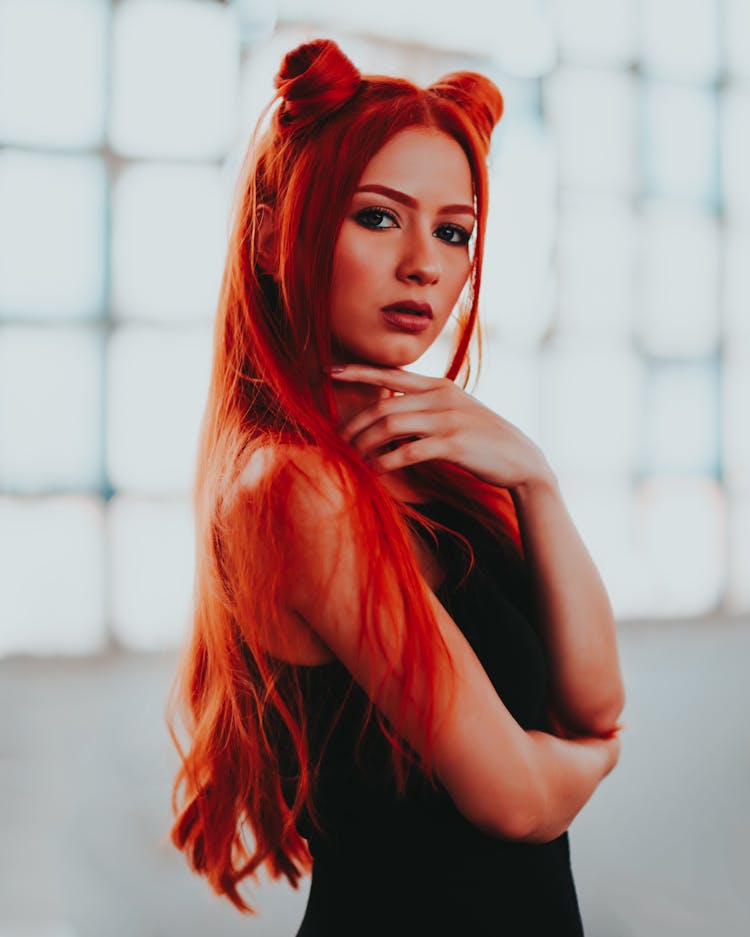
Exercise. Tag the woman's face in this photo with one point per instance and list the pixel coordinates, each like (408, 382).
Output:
(404, 240)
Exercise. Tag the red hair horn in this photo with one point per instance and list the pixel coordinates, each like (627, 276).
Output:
(314, 80)
(477, 95)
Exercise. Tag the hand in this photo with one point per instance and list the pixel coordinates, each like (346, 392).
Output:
(435, 419)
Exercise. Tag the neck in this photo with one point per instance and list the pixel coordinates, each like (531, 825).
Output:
(351, 399)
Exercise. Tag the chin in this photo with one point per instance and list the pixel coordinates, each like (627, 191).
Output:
(382, 358)
(391, 361)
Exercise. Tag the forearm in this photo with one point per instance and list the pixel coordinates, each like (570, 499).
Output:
(574, 609)
(568, 773)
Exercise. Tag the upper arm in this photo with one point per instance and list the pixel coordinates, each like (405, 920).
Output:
(481, 754)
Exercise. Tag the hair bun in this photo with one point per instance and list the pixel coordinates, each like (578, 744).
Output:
(477, 95)
(314, 80)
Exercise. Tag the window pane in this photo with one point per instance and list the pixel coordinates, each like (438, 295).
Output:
(680, 142)
(169, 241)
(516, 275)
(682, 419)
(434, 362)
(50, 408)
(256, 20)
(510, 385)
(604, 514)
(735, 435)
(738, 599)
(152, 556)
(592, 113)
(255, 78)
(682, 544)
(51, 576)
(735, 145)
(52, 235)
(736, 37)
(53, 71)
(679, 314)
(737, 283)
(175, 69)
(596, 255)
(680, 40)
(158, 381)
(519, 36)
(596, 33)
(591, 408)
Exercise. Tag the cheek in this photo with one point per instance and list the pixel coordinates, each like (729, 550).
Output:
(460, 274)
(353, 264)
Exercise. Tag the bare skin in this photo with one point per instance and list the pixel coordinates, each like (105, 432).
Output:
(420, 253)
(450, 424)
(512, 783)
(389, 251)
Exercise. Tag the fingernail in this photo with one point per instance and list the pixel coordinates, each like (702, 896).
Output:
(336, 369)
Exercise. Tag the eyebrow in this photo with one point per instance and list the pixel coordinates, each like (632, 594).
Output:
(412, 202)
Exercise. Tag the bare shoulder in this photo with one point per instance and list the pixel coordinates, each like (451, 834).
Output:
(323, 550)
(260, 462)
(317, 490)
(308, 460)
(312, 497)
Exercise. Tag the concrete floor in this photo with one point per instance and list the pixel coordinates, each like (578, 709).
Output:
(86, 767)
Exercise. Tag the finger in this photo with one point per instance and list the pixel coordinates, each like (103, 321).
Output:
(410, 453)
(381, 410)
(418, 423)
(392, 378)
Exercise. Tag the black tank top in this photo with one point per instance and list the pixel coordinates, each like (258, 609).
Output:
(413, 866)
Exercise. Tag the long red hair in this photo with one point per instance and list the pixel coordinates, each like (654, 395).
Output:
(328, 122)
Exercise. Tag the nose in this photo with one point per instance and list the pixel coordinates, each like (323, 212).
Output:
(420, 261)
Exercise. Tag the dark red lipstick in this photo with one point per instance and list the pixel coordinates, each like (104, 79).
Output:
(408, 316)
(409, 306)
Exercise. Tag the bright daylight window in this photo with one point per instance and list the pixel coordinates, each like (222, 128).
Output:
(616, 293)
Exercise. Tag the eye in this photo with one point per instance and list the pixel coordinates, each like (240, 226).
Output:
(453, 234)
(374, 218)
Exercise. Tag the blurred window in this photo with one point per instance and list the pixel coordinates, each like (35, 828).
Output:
(615, 287)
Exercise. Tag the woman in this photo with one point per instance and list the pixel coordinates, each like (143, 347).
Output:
(403, 670)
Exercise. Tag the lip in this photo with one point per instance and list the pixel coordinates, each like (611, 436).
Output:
(408, 305)
(406, 320)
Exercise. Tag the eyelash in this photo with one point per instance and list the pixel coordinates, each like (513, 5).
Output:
(379, 210)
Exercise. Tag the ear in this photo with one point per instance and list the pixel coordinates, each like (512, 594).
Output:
(265, 239)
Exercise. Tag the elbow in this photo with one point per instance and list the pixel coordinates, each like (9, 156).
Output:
(518, 818)
(602, 723)
(603, 718)
(519, 825)
(532, 828)
(528, 823)
(537, 820)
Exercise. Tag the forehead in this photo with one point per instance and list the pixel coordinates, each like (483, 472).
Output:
(422, 161)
